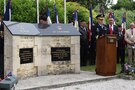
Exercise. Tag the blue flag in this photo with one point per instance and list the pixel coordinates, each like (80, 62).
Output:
(48, 17)
(56, 13)
(7, 15)
(76, 19)
(124, 21)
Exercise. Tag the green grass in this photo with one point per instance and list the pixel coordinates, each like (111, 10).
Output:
(92, 68)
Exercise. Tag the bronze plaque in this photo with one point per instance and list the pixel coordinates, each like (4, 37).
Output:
(26, 55)
(60, 53)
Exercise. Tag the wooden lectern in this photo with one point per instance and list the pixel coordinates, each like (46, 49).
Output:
(106, 55)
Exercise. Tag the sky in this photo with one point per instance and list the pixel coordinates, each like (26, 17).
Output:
(115, 1)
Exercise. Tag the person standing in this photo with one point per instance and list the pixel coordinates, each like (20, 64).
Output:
(112, 29)
(121, 47)
(1, 48)
(99, 29)
(130, 40)
(83, 43)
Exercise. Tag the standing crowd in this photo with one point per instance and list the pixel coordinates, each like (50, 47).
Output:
(125, 39)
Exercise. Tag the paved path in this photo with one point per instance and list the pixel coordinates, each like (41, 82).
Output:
(57, 81)
(115, 84)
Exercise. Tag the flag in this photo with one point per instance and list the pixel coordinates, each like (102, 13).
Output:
(76, 19)
(7, 14)
(48, 17)
(124, 21)
(90, 24)
(101, 10)
(56, 13)
(9, 74)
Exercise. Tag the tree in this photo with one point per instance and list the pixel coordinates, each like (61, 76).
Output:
(25, 10)
(127, 4)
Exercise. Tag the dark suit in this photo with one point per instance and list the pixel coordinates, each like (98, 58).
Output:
(83, 46)
(2, 27)
(121, 49)
(115, 29)
(92, 50)
(1, 52)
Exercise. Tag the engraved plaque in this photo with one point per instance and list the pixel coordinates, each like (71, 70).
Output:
(60, 53)
(26, 55)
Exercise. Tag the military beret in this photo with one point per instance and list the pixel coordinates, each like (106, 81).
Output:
(100, 16)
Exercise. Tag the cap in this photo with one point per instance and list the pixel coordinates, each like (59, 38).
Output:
(132, 24)
(100, 16)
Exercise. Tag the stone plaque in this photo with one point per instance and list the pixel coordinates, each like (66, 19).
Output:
(60, 53)
(26, 55)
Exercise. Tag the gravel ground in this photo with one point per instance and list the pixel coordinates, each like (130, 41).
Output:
(115, 84)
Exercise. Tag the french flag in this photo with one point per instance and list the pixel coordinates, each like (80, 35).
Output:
(76, 19)
(90, 24)
(7, 14)
(56, 13)
(48, 17)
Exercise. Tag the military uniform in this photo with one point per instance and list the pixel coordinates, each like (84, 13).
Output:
(83, 45)
(98, 30)
(121, 49)
(1, 50)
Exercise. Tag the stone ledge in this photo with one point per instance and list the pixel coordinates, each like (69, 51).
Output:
(78, 80)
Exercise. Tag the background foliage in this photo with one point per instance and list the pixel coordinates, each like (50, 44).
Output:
(25, 10)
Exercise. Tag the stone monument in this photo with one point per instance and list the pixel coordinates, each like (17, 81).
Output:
(30, 51)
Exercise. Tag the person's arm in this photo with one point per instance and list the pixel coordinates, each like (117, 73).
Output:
(127, 40)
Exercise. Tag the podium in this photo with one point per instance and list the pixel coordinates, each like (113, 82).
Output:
(106, 55)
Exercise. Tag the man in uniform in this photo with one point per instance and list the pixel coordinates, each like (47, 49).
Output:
(98, 30)
(121, 48)
(100, 27)
(83, 43)
(1, 48)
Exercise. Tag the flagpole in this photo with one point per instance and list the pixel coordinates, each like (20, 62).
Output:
(4, 6)
(37, 11)
(65, 11)
(9, 14)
